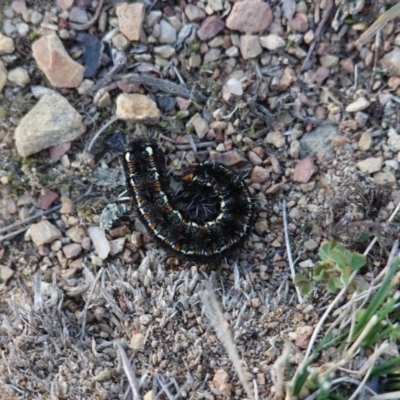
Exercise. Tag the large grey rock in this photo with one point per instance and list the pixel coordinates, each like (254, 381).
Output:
(51, 122)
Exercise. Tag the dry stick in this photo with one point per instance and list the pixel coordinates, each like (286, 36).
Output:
(318, 33)
(376, 55)
(25, 221)
(361, 386)
(157, 83)
(219, 323)
(386, 396)
(99, 274)
(337, 381)
(340, 295)
(277, 371)
(120, 60)
(91, 22)
(100, 131)
(30, 219)
(130, 373)
(288, 251)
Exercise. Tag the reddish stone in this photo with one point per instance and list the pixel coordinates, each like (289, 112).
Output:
(210, 27)
(56, 152)
(46, 199)
(250, 16)
(304, 170)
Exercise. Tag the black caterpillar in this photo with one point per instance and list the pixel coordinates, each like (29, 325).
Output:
(205, 240)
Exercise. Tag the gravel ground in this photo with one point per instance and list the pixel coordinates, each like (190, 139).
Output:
(277, 91)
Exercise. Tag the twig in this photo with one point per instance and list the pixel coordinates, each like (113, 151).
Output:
(160, 84)
(330, 5)
(370, 364)
(84, 313)
(217, 319)
(100, 131)
(288, 251)
(91, 22)
(277, 371)
(183, 146)
(129, 371)
(120, 60)
(30, 219)
(386, 396)
(25, 221)
(390, 14)
(376, 55)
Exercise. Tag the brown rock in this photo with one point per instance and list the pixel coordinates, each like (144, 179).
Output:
(250, 46)
(56, 152)
(299, 23)
(138, 108)
(65, 4)
(19, 6)
(137, 342)
(6, 273)
(304, 170)
(221, 383)
(391, 61)
(46, 199)
(44, 232)
(3, 76)
(72, 250)
(210, 27)
(289, 76)
(76, 233)
(54, 61)
(348, 65)
(382, 178)
(365, 141)
(302, 341)
(320, 75)
(250, 16)
(67, 205)
(11, 207)
(276, 139)
(259, 174)
(6, 45)
(130, 19)
(194, 13)
(371, 164)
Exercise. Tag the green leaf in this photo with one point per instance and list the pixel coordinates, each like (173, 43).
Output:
(322, 276)
(337, 282)
(306, 288)
(302, 282)
(345, 275)
(338, 257)
(298, 278)
(324, 251)
(357, 261)
(318, 268)
(364, 237)
(330, 286)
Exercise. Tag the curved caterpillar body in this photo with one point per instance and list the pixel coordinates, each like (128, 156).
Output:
(205, 240)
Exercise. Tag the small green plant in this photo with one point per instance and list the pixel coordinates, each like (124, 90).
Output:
(4, 113)
(32, 36)
(336, 266)
(369, 327)
(194, 47)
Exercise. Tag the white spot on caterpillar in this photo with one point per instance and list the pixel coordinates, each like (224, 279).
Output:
(149, 150)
